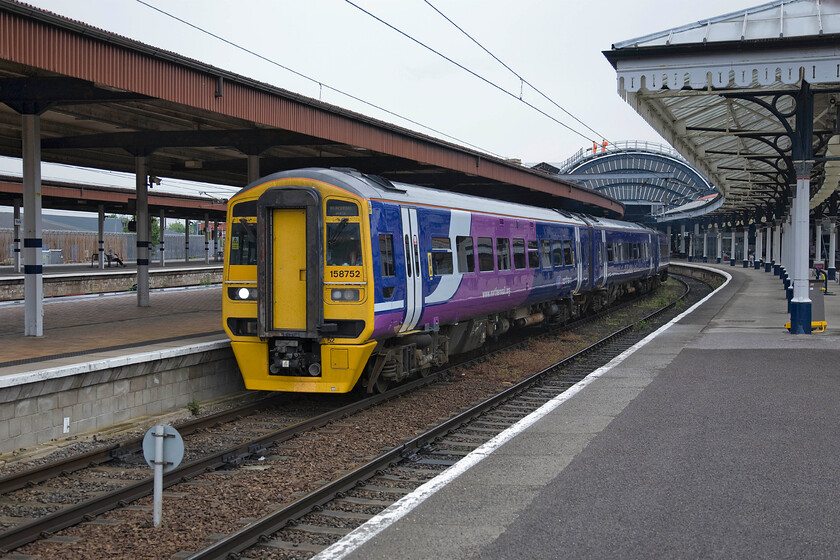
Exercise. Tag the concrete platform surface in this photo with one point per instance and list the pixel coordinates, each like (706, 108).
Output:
(86, 328)
(715, 438)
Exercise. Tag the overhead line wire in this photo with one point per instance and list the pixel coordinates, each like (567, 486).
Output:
(464, 68)
(319, 83)
(511, 70)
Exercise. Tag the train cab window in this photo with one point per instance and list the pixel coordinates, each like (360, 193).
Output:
(243, 243)
(519, 257)
(545, 253)
(557, 252)
(344, 243)
(503, 253)
(386, 254)
(342, 208)
(567, 253)
(441, 256)
(466, 254)
(485, 254)
(533, 255)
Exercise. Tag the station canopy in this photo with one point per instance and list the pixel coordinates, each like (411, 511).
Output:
(748, 98)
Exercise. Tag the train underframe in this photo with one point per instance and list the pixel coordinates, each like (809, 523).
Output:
(415, 354)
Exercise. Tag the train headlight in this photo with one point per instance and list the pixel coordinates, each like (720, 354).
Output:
(242, 294)
(345, 294)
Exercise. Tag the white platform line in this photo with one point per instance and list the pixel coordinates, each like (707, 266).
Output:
(397, 510)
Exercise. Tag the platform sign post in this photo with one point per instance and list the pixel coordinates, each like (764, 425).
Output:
(163, 449)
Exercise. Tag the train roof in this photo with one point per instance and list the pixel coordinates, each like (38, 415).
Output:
(378, 188)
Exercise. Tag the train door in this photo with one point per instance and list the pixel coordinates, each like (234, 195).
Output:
(650, 256)
(288, 269)
(413, 270)
(603, 252)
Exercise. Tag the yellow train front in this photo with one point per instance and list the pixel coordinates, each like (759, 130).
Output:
(297, 304)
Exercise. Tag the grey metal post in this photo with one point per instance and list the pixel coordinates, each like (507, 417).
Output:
(162, 238)
(670, 239)
(187, 241)
(142, 171)
(706, 244)
(695, 240)
(33, 267)
(253, 167)
(215, 238)
(17, 204)
(206, 238)
(100, 241)
(719, 245)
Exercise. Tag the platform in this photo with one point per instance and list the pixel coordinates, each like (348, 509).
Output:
(715, 438)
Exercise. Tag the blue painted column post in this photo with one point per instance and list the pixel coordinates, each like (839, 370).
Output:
(800, 312)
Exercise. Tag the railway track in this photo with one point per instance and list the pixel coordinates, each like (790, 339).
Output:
(443, 454)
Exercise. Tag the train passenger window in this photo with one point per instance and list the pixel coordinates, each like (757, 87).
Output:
(408, 266)
(557, 252)
(342, 208)
(344, 243)
(545, 253)
(503, 253)
(441, 256)
(567, 252)
(519, 253)
(635, 249)
(466, 255)
(485, 254)
(533, 255)
(386, 254)
(610, 252)
(243, 243)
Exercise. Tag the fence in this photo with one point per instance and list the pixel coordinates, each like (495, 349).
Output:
(79, 246)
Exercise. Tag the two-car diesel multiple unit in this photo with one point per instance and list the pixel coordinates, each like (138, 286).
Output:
(332, 276)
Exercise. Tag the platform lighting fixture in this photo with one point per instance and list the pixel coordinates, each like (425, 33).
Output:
(153, 181)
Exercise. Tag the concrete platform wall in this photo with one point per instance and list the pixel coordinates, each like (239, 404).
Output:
(34, 412)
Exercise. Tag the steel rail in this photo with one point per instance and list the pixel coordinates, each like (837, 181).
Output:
(260, 530)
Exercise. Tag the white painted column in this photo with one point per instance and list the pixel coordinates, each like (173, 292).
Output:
(706, 244)
(682, 241)
(817, 241)
(141, 164)
(777, 247)
(100, 240)
(206, 238)
(16, 241)
(162, 238)
(719, 244)
(768, 255)
(187, 241)
(832, 248)
(758, 247)
(800, 311)
(746, 255)
(33, 260)
(732, 254)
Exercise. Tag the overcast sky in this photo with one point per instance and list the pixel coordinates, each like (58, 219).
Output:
(553, 44)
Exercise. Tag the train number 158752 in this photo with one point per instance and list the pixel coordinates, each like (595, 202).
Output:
(345, 274)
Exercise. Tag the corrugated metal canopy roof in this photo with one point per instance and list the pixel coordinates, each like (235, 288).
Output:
(734, 94)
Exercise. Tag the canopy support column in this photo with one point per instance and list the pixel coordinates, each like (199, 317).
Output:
(33, 269)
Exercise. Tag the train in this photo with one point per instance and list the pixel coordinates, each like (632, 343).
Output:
(336, 279)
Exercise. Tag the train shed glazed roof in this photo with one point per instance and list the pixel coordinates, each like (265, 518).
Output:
(726, 93)
(105, 99)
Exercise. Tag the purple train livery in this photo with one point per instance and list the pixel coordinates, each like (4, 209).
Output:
(335, 279)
